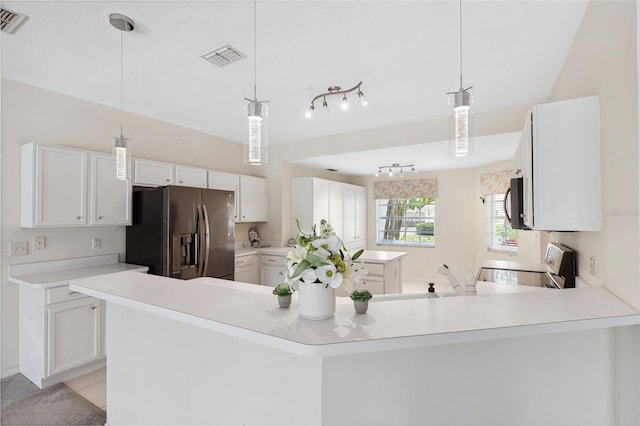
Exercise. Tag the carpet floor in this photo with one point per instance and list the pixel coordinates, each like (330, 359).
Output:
(24, 404)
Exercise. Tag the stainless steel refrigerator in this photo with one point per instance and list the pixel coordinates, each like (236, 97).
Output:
(182, 232)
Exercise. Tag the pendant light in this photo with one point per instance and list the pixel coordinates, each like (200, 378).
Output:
(255, 133)
(461, 114)
(121, 153)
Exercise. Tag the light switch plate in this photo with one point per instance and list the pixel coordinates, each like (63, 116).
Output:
(18, 248)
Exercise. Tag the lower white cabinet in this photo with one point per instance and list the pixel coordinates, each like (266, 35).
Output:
(272, 269)
(75, 334)
(61, 334)
(383, 278)
(246, 269)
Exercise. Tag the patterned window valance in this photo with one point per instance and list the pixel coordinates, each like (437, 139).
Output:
(419, 188)
(495, 182)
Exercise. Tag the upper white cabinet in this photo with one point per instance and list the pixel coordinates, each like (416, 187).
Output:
(53, 186)
(64, 187)
(152, 173)
(227, 182)
(156, 173)
(110, 197)
(253, 199)
(343, 205)
(191, 176)
(559, 159)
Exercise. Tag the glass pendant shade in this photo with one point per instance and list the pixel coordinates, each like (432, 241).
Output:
(122, 156)
(461, 123)
(255, 134)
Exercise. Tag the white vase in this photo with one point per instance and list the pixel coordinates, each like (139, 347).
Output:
(316, 301)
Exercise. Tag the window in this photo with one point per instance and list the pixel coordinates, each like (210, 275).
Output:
(406, 221)
(500, 235)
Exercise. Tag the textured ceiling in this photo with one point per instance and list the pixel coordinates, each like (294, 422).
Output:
(406, 54)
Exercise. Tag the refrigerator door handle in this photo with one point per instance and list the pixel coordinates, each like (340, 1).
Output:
(207, 241)
(200, 234)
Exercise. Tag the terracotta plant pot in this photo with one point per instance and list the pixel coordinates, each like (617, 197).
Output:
(284, 301)
(361, 306)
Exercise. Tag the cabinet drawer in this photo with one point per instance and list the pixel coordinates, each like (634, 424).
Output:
(374, 284)
(62, 294)
(375, 268)
(272, 260)
(244, 261)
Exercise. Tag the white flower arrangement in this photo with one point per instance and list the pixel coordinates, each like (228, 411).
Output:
(323, 259)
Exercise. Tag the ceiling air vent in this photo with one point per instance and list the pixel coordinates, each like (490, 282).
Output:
(10, 21)
(223, 55)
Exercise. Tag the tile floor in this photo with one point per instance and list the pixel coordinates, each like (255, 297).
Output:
(92, 387)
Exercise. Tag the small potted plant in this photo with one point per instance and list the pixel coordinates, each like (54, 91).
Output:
(361, 300)
(283, 291)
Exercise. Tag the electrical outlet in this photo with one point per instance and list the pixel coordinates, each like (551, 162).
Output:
(18, 248)
(96, 243)
(39, 243)
(592, 265)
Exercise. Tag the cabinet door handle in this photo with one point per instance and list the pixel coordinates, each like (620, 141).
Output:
(271, 260)
(168, 180)
(72, 292)
(181, 181)
(93, 307)
(518, 171)
(100, 217)
(78, 217)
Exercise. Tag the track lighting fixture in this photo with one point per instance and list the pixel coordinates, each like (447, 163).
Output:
(337, 90)
(395, 167)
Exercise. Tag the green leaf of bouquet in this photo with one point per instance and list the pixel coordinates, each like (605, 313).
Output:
(316, 260)
(302, 266)
(357, 254)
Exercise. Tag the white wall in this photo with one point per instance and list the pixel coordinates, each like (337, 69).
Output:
(31, 114)
(602, 61)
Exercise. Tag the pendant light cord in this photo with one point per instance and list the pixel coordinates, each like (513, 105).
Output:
(255, 96)
(121, 78)
(460, 44)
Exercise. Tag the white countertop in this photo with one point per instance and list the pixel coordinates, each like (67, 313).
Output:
(59, 272)
(250, 312)
(515, 266)
(369, 256)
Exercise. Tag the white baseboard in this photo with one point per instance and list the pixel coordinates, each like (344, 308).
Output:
(10, 372)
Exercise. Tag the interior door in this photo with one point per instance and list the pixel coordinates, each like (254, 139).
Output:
(219, 210)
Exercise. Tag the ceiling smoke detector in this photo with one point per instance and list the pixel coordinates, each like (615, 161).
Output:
(10, 21)
(223, 55)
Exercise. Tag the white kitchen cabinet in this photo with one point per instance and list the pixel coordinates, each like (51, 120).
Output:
(354, 228)
(272, 269)
(226, 182)
(110, 197)
(559, 158)
(61, 331)
(74, 334)
(190, 176)
(53, 186)
(246, 269)
(383, 278)
(64, 187)
(61, 334)
(343, 205)
(152, 173)
(253, 199)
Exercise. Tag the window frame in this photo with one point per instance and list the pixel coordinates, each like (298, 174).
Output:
(426, 241)
(491, 201)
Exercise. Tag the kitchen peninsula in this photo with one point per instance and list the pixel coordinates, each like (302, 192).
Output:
(209, 351)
